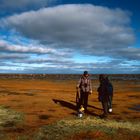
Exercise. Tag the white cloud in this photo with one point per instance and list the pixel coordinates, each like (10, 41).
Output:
(5, 56)
(89, 29)
(83, 29)
(30, 48)
(60, 66)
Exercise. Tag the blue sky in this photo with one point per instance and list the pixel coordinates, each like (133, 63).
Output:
(69, 36)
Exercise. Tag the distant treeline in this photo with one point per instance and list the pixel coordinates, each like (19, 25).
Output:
(68, 76)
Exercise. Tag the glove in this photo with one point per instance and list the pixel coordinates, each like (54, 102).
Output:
(77, 87)
(81, 109)
(90, 92)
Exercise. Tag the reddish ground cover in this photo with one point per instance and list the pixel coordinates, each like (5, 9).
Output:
(46, 101)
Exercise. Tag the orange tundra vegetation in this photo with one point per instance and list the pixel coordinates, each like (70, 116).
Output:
(46, 101)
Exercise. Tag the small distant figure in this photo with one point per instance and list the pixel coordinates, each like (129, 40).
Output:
(105, 94)
(84, 85)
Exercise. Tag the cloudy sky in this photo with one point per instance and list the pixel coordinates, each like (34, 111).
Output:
(69, 36)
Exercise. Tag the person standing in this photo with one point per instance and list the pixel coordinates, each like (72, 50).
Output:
(84, 84)
(110, 94)
(103, 94)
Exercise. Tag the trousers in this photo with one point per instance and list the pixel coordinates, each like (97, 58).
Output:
(110, 101)
(105, 107)
(83, 99)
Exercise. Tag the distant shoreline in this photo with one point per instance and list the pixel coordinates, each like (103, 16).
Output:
(68, 76)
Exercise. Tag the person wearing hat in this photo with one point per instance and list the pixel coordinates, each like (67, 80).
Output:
(103, 94)
(84, 84)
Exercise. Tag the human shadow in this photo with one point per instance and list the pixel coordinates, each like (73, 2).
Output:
(72, 106)
(95, 107)
(65, 104)
(91, 106)
(91, 113)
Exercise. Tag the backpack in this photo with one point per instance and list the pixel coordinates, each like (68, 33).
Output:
(110, 89)
(100, 95)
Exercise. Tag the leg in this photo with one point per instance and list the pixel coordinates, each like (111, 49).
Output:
(105, 108)
(85, 100)
(77, 99)
(81, 100)
(110, 103)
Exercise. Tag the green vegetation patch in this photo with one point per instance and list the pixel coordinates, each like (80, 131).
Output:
(9, 118)
(71, 126)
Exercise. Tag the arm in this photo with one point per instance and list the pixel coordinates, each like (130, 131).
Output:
(78, 84)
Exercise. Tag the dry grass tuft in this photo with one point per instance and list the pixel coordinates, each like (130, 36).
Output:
(65, 128)
(9, 118)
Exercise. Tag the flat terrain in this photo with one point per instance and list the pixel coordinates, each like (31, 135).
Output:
(44, 102)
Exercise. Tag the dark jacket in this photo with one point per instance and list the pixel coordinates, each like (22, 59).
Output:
(102, 91)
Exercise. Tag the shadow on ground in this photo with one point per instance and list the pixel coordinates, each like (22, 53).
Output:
(65, 104)
(73, 107)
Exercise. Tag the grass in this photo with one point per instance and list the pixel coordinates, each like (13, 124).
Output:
(24, 137)
(9, 118)
(65, 128)
(73, 128)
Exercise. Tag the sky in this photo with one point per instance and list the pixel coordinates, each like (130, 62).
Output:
(70, 36)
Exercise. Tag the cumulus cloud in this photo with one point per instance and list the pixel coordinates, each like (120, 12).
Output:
(31, 48)
(59, 63)
(89, 29)
(66, 30)
(54, 66)
(7, 56)
(131, 53)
